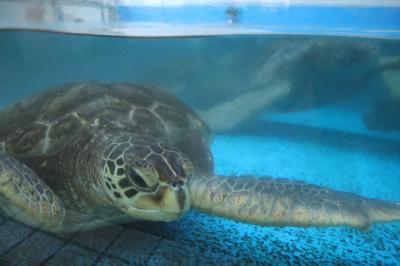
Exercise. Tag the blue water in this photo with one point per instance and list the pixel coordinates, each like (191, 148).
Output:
(325, 143)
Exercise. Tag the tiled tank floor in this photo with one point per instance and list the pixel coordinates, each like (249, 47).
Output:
(112, 245)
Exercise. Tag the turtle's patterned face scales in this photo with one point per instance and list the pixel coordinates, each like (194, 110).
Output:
(145, 178)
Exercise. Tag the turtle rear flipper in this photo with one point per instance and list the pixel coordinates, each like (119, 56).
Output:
(25, 197)
(282, 202)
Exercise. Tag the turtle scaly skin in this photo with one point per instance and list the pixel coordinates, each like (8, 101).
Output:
(83, 154)
(282, 202)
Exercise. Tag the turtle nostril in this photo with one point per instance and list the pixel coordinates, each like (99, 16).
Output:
(177, 184)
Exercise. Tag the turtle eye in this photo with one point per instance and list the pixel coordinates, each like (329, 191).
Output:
(137, 179)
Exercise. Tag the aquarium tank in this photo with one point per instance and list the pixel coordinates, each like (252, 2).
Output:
(199, 132)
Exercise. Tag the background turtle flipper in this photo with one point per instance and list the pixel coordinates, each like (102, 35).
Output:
(230, 114)
(282, 202)
(25, 197)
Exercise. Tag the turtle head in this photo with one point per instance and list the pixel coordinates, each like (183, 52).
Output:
(147, 181)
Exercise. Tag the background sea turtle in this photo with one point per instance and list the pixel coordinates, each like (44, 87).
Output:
(82, 154)
(294, 75)
(386, 114)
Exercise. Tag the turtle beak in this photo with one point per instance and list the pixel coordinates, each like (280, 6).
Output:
(173, 199)
(167, 203)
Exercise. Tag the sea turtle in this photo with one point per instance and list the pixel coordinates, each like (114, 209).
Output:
(386, 114)
(295, 75)
(87, 153)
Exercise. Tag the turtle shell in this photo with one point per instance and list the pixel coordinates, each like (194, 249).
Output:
(44, 124)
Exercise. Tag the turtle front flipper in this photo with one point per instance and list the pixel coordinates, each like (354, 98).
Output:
(25, 197)
(228, 115)
(282, 202)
